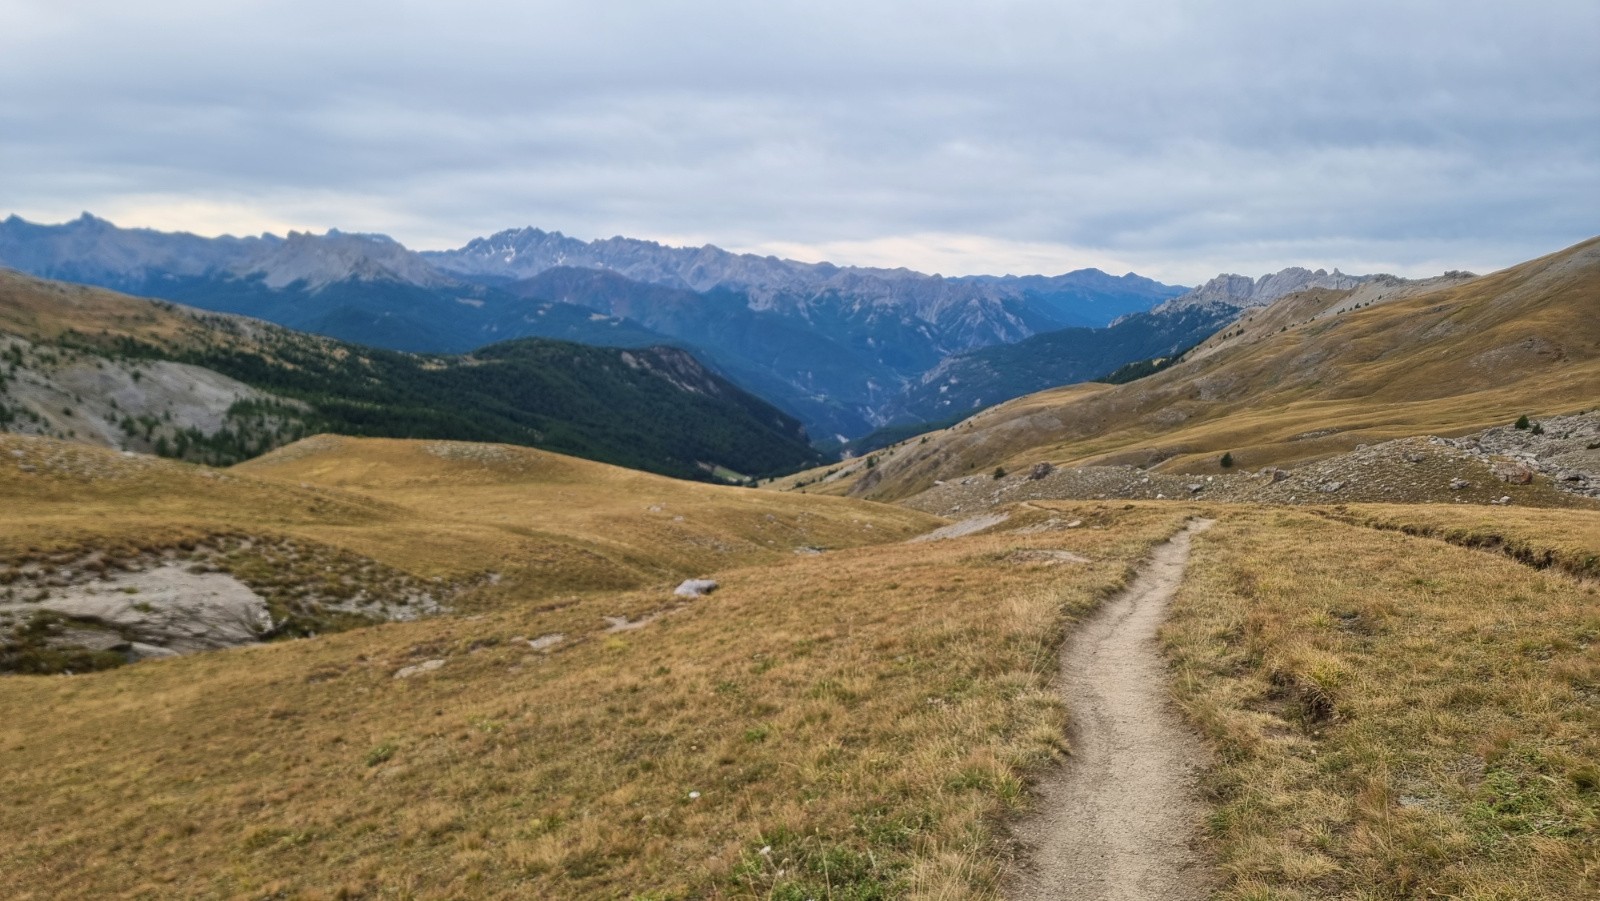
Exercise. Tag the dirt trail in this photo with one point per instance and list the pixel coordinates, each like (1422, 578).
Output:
(1118, 820)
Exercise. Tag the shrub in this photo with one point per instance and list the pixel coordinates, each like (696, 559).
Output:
(1227, 460)
(1522, 422)
(999, 472)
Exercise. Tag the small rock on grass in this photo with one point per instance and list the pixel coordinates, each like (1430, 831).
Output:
(694, 588)
(426, 666)
(546, 642)
(1513, 473)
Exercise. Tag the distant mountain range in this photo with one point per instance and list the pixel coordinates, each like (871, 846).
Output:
(844, 349)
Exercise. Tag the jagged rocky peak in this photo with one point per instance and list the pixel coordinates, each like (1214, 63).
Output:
(320, 260)
(513, 253)
(1241, 291)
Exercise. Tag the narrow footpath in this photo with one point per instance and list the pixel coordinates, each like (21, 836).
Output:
(1119, 820)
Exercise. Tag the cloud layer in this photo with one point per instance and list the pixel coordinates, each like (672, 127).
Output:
(1177, 139)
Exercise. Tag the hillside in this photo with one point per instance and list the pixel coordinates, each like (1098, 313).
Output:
(150, 376)
(982, 378)
(335, 532)
(1317, 373)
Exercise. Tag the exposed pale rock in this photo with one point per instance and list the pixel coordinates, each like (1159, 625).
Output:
(694, 588)
(426, 666)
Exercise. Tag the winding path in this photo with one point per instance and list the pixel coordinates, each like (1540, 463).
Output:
(1119, 819)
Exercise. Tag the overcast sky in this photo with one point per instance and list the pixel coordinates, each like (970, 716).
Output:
(1175, 139)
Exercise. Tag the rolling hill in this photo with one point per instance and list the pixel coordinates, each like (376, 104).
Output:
(865, 720)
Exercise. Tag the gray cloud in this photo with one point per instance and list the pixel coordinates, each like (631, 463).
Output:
(1173, 138)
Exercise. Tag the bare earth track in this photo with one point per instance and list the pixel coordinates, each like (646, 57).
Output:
(1118, 821)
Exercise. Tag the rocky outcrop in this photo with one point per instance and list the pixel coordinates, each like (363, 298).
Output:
(158, 612)
(93, 611)
(1240, 292)
(1563, 458)
(1564, 449)
(695, 588)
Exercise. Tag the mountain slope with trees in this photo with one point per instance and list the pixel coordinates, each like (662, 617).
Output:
(654, 408)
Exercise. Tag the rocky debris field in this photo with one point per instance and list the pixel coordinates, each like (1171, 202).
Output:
(1555, 464)
(1566, 449)
(88, 611)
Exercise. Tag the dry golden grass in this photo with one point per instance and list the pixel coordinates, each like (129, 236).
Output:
(544, 522)
(867, 716)
(1448, 361)
(1394, 717)
(1562, 539)
(42, 309)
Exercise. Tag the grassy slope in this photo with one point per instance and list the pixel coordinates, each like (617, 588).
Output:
(545, 522)
(1394, 716)
(941, 448)
(1293, 386)
(868, 715)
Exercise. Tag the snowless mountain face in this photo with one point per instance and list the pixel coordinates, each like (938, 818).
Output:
(94, 251)
(1241, 292)
(321, 260)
